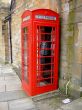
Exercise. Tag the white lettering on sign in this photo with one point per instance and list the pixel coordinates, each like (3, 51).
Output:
(45, 17)
(26, 18)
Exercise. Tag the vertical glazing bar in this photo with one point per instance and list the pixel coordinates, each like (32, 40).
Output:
(37, 49)
(51, 54)
(54, 37)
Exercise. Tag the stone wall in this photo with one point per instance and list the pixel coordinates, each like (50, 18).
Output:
(1, 43)
(21, 6)
(71, 46)
(4, 10)
(70, 40)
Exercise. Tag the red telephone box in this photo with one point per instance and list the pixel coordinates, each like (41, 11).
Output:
(40, 51)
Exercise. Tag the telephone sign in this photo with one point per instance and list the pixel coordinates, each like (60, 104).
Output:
(45, 17)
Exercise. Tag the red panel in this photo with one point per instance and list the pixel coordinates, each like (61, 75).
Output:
(42, 51)
(48, 87)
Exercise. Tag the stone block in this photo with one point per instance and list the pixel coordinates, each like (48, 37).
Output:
(62, 84)
(12, 78)
(79, 58)
(78, 3)
(2, 78)
(77, 70)
(71, 16)
(64, 18)
(21, 104)
(3, 105)
(2, 87)
(12, 95)
(68, 5)
(2, 82)
(63, 50)
(7, 70)
(8, 74)
(78, 53)
(67, 34)
(13, 87)
(79, 35)
(75, 105)
(13, 81)
(78, 16)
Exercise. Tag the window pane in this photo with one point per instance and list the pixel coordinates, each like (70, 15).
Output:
(25, 55)
(45, 55)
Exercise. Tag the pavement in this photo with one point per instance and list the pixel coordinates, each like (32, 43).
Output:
(75, 105)
(12, 97)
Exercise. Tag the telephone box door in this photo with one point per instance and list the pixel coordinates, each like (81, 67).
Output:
(45, 53)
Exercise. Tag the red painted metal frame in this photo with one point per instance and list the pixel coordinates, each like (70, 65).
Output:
(31, 87)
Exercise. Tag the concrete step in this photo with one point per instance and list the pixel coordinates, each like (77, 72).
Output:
(45, 95)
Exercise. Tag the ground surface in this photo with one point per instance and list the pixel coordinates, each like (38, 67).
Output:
(12, 96)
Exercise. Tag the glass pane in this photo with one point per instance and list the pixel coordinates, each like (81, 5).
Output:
(25, 55)
(25, 73)
(44, 82)
(25, 30)
(45, 55)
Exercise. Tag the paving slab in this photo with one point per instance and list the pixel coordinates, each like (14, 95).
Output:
(10, 82)
(1, 75)
(13, 87)
(7, 74)
(45, 107)
(15, 81)
(11, 77)
(2, 82)
(3, 105)
(75, 105)
(2, 88)
(11, 95)
(21, 104)
(7, 70)
(2, 78)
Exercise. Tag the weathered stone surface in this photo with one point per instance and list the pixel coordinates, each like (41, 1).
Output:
(3, 105)
(75, 105)
(13, 87)
(10, 84)
(11, 95)
(2, 87)
(77, 70)
(2, 48)
(71, 43)
(71, 39)
(78, 44)
(21, 104)
(11, 78)
(78, 3)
